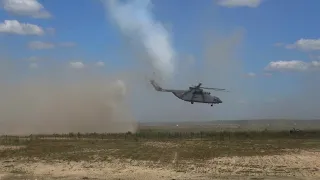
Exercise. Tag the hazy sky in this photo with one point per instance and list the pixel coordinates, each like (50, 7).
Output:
(266, 52)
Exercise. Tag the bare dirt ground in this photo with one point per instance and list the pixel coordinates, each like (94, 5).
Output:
(294, 164)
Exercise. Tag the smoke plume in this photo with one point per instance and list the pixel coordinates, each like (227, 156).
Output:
(136, 22)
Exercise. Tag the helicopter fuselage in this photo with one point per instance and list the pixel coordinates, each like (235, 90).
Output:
(197, 96)
(194, 94)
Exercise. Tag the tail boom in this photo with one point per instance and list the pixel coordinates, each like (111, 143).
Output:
(156, 86)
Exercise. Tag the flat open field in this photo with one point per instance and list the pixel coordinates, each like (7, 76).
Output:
(154, 153)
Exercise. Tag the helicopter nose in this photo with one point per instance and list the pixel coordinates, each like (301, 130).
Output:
(217, 100)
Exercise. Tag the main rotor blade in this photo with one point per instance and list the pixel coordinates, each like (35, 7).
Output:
(216, 89)
(196, 86)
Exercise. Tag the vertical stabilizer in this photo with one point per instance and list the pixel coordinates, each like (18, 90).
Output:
(155, 85)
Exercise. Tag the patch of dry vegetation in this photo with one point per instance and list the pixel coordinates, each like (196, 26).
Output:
(189, 155)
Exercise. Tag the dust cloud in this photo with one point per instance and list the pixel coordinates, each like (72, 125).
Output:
(301, 102)
(58, 100)
(62, 101)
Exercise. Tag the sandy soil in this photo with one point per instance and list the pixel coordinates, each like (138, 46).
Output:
(161, 144)
(303, 165)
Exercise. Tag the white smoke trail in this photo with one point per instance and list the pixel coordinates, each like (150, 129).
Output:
(135, 21)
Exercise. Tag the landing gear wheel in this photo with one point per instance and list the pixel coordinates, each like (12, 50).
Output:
(191, 102)
(211, 104)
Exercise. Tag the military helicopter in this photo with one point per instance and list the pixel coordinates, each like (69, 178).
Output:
(194, 94)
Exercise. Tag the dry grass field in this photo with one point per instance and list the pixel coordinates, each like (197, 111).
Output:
(159, 154)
